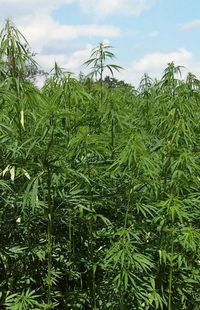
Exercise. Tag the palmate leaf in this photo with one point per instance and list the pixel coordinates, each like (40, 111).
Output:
(16, 251)
(115, 67)
(174, 209)
(98, 60)
(89, 61)
(27, 300)
(190, 238)
(142, 262)
(156, 299)
(146, 210)
(124, 255)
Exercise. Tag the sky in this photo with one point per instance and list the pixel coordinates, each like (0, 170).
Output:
(145, 34)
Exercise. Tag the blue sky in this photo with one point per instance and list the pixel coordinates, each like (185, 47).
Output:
(145, 34)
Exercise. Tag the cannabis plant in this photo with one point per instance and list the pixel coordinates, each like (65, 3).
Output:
(99, 186)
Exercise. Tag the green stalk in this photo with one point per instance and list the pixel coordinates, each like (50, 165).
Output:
(70, 232)
(171, 274)
(69, 116)
(112, 138)
(101, 83)
(122, 293)
(93, 287)
(49, 237)
(170, 287)
(90, 229)
(93, 277)
(128, 206)
(49, 218)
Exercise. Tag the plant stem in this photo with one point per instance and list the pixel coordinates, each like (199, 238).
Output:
(112, 138)
(49, 236)
(171, 273)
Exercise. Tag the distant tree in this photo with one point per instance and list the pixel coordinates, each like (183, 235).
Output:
(113, 82)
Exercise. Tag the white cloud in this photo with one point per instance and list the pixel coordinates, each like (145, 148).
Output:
(126, 7)
(103, 8)
(155, 63)
(76, 59)
(49, 38)
(47, 61)
(44, 33)
(16, 9)
(43, 30)
(72, 62)
(191, 25)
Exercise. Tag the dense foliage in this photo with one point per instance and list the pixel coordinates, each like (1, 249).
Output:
(99, 187)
